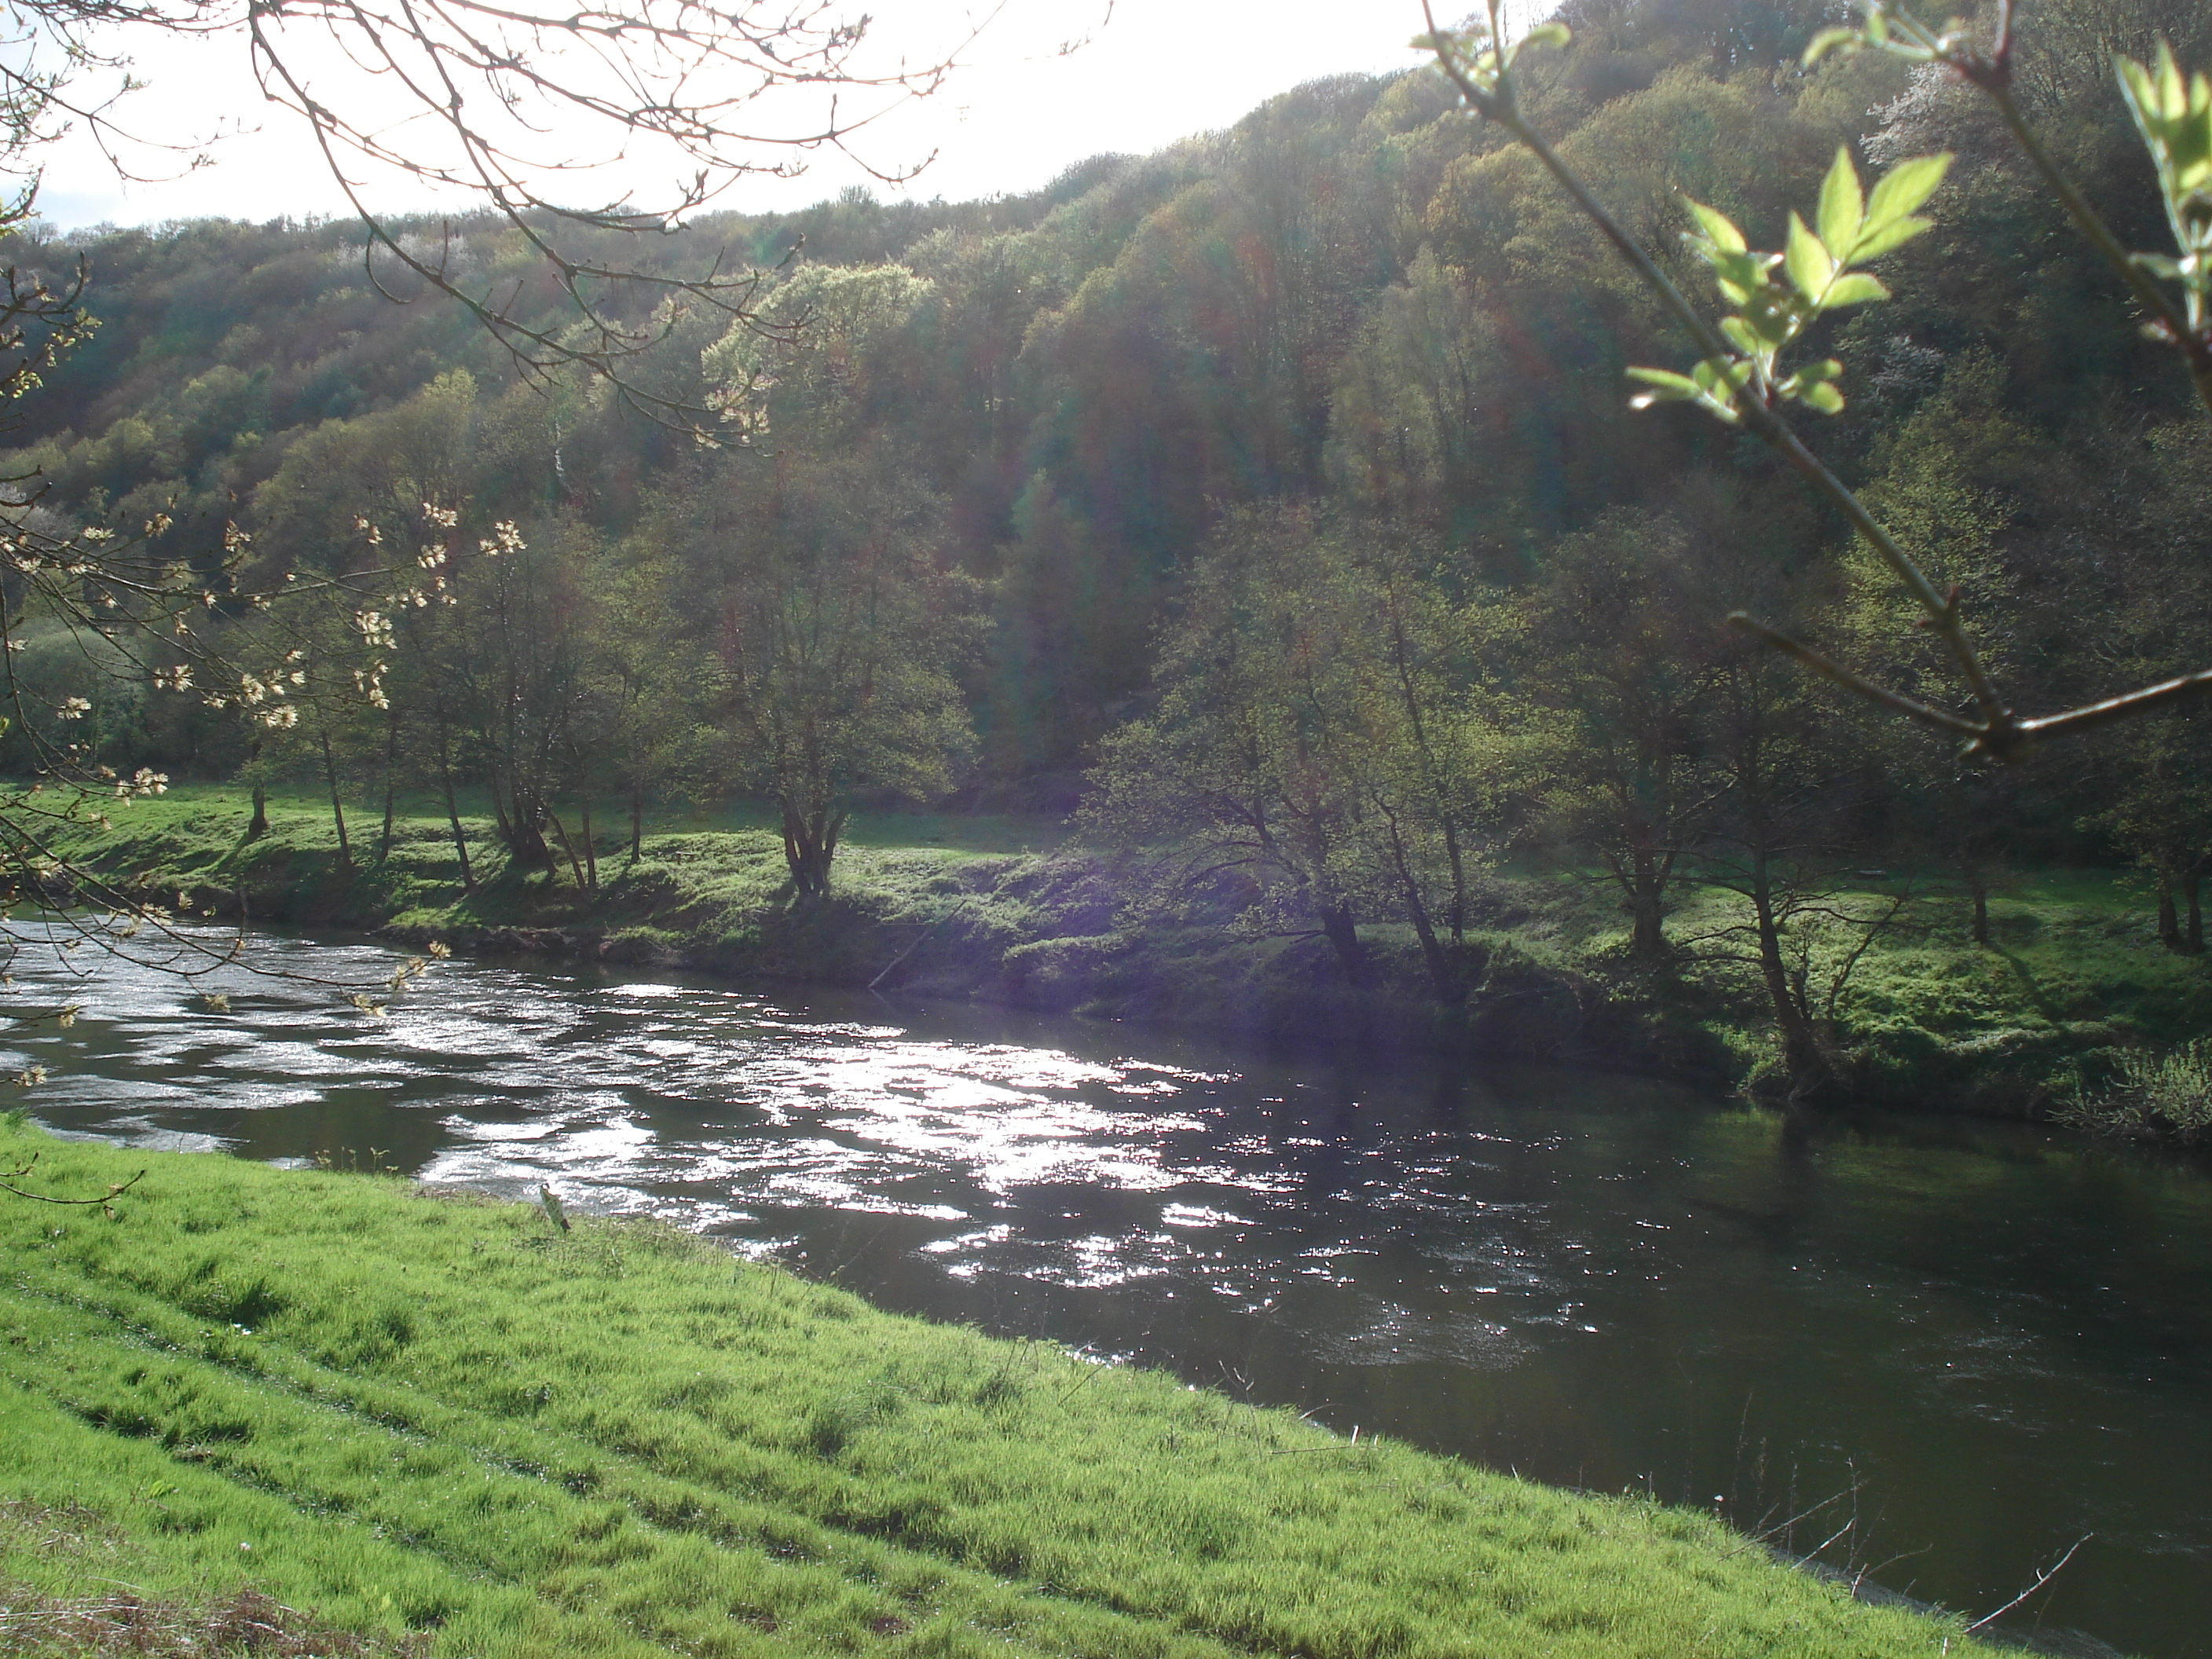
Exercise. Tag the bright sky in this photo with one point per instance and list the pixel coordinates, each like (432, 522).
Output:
(1014, 117)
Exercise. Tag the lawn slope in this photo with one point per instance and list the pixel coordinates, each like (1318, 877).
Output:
(406, 1412)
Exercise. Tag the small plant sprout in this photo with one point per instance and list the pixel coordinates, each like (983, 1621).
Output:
(1770, 316)
(2175, 118)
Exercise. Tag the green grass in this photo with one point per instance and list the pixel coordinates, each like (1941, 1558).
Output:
(405, 1412)
(2074, 981)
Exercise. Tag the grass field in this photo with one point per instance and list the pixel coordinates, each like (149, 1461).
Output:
(437, 1414)
(1010, 909)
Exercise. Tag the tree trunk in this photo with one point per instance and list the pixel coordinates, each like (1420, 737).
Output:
(257, 826)
(1343, 935)
(391, 774)
(453, 812)
(1445, 983)
(636, 821)
(1647, 908)
(1980, 890)
(522, 826)
(1457, 920)
(337, 807)
(591, 853)
(562, 835)
(2169, 922)
(809, 843)
(1801, 1047)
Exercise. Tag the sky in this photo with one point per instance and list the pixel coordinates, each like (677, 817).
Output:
(1015, 114)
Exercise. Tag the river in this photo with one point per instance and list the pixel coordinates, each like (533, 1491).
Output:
(1959, 1346)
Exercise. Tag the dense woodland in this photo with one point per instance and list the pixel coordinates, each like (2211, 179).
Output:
(1275, 501)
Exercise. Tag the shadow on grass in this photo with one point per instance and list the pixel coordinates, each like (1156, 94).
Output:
(2036, 994)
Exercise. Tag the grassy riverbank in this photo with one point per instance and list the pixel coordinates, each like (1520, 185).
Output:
(1010, 910)
(409, 1412)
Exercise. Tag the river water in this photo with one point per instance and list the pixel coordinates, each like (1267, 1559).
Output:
(1961, 1346)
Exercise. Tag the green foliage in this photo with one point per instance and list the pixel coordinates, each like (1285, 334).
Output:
(2174, 115)
(2168, 1094)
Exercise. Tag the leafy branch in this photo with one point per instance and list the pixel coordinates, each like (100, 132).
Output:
(1740, 377)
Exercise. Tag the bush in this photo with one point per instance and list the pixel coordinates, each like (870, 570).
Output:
(2167, 1094)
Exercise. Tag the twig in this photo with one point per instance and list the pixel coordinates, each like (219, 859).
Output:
(927, 933)
(1829, 669)
(114, 1192)
(2041, 1579)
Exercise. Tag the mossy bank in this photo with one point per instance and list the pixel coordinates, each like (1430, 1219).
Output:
(436, 1414)
(1011, 911)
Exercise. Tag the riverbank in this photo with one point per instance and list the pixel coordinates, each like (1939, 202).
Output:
(1009, 911)
(406, 1412)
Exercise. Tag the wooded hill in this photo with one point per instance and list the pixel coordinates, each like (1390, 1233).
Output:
(1278, 494)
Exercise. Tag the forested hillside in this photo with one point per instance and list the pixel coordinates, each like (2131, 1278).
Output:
(1275, 497)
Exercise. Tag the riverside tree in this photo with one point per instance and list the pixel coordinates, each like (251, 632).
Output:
(839, 635)
(1318, 755)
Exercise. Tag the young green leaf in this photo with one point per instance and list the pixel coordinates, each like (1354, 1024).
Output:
(1831, 38)
(1666, 388)
(1853, 288)
(1872, 244)
(1898, 192)
(1843, 207)
(1815, 386)
(1807, 261)
(1719, 229)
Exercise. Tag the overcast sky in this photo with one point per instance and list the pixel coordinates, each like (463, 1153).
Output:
(1015, 116)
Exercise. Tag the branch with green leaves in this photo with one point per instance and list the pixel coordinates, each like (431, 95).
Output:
(1741, 377)
(2173, 113)
(1771, 316)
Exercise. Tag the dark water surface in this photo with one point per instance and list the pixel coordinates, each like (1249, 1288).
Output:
(2001, 1338)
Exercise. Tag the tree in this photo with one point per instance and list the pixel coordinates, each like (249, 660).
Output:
(1776, 842)
(642, 724)
(1318, 753)
(1622, 667)
(839, 634)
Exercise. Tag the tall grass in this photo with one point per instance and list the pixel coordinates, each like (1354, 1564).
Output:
(401, 1413)
(2167, 1095)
